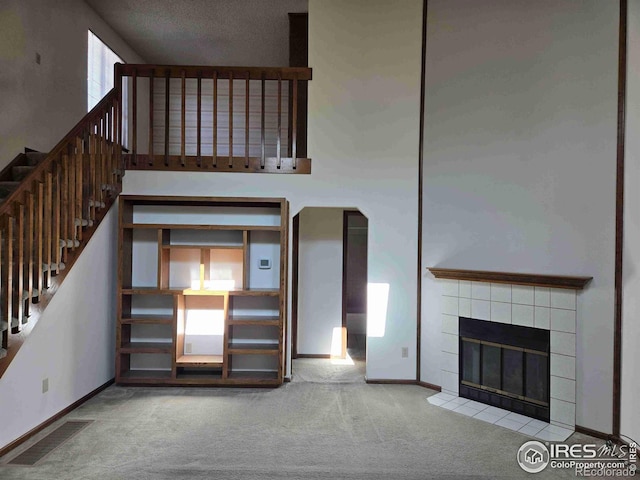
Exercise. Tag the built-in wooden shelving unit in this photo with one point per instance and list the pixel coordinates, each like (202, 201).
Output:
(201, 290)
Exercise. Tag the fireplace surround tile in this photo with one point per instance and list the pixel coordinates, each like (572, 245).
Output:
(522, 294)
(563, 320)
(521, 315)
(480, 291)
(542, 318)
(450, 288)
(563, 298)
(481, 309)
(539, 307)
(500, 292)
(542, 297)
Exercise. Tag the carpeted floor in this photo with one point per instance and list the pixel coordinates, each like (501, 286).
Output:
(319, 426)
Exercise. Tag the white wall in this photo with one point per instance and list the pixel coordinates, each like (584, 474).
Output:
(363, 139)
(41, 103)
(73, 343)
(519, 157)
(320, 281)
(630, 422)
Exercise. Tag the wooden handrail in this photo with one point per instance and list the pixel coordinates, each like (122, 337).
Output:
(191, 71)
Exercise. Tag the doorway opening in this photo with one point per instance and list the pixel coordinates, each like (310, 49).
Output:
(329, 288)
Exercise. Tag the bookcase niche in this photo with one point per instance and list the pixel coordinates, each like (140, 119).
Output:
(201, 290)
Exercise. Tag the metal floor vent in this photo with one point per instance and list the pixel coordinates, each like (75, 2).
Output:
(48, 444)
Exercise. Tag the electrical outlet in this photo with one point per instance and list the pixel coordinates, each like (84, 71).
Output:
(45, 385)
(188, 348)
(405, 352)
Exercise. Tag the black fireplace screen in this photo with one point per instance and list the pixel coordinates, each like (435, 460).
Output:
(506, 366)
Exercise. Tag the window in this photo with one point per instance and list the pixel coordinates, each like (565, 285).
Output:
(100, 62)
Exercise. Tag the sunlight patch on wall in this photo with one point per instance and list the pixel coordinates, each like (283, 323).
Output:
(377, 303)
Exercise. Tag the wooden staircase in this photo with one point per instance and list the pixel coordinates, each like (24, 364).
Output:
(50, 206)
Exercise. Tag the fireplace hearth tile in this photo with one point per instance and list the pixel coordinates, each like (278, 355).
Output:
(459, 401)
(465, 410)
(497, 411)
(545, 434)
(516, 417)
(539, 424)
(531, 430)
(510, 424)
(445, 397)
(477, 406)
(488, 417)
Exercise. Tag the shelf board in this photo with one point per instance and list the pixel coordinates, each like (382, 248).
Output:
(254, 320)
(200, 247)
(253, 375)
(146, 374)
(148, 319)
(148, 291)
(199, 361)
(253, 349)
(146, 347)
(178, 226)
(255, 292)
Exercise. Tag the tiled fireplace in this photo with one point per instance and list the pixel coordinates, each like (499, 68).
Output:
(547, 311)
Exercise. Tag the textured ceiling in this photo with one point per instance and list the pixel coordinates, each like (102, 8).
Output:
(204, 32)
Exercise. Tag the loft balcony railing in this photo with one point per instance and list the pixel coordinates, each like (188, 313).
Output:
(224, 119)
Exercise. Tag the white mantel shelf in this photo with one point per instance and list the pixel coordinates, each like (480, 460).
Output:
(537, 280)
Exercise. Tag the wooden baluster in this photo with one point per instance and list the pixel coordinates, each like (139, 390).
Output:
(134, 113)
(64, 205)
(95, 188)
(7, 271)
(246, 122)
(48, 220)
(214, 152)
(278, 152)
(28, 261)
(103, 159)
(19, 265)
(199, 122)
(262, 132)
(39, 237)
(167, 85)
(6, 289)
(71, 187)
(79, 185)
(230, 119)
(57, 217)
(151, 119)
(294, 121)
(116, 129)
(183, 113)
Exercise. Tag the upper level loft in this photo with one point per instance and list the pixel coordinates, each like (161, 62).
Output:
(206, 118)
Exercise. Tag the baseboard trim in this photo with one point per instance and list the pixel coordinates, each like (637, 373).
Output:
(19, 441)
(314, 355)
(385, 381)
(430, 386)
(595, 433)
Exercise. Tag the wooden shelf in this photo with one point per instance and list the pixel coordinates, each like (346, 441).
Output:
(253, 349)
(148, 291)
(199, 361)
(188, 226)
(200, 247)
(252, 375)
(538, 280)
(148, 319)
(146, 347)
(254, 320)
(255, 292)
(146, 374)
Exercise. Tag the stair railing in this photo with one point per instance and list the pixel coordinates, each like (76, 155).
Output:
(208, 118)
(46, 222)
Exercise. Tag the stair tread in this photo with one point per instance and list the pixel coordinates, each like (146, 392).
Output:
(34, 158)
(19, 172)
